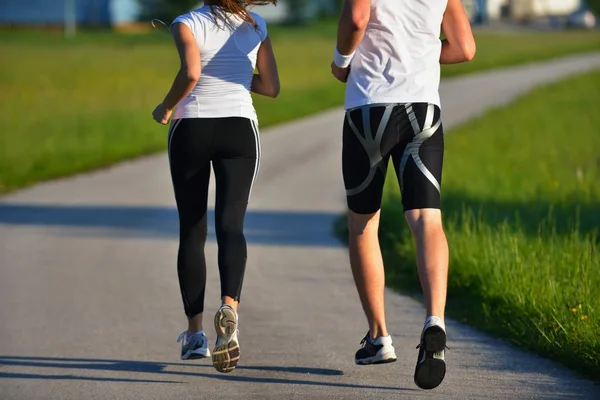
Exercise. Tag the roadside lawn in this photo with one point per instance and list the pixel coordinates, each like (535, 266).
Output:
(74, 105)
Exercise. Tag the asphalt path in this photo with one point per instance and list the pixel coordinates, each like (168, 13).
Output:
(90, 304)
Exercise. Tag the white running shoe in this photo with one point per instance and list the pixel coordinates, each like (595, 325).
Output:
(193, 347)
(226, 354)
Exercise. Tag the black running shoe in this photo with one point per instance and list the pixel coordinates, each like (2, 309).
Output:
(431, 367)
(380, 351)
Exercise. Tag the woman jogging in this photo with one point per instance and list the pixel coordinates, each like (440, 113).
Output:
(219, 46)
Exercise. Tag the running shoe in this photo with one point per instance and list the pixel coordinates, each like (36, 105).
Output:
(379, 351)
(226, 354)
(431, 367)
(194, 346)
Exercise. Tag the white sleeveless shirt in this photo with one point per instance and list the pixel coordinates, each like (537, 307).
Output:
(228, 51)
(398, 60)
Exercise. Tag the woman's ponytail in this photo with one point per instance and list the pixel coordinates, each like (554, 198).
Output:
(240, 8)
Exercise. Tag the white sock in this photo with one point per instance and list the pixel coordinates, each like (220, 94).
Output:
(380, 339)
(434, 321)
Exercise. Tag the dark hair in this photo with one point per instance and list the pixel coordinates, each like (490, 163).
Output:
(239, 8)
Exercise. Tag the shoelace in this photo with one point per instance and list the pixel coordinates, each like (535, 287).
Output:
(364, 340)
(184, 337)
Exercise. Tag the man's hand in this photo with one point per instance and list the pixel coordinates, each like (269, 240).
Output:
(161, 114)
(341, 74)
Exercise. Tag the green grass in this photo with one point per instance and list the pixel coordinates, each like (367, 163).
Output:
(72, 105)
(521, 200)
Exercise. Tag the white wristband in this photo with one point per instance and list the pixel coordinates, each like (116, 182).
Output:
(341, 60)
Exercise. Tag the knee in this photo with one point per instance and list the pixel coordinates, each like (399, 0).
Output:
(194, 230)
(424, 220)
(360, 224)
(230, 222)
(229, 230)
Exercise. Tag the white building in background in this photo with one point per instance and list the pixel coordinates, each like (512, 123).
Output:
(494, 8)
(521, 9)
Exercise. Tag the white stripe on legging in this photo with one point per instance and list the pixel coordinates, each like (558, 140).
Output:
(174, 125)
(257, 162)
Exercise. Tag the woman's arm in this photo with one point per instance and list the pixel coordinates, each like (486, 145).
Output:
(459, 45)
(266, 82)
(188, 75)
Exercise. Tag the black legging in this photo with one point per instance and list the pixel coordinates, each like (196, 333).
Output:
(233, 147)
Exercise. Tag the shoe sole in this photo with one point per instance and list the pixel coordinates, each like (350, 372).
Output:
(430, 373)
(386, 359)
(389, 360)
(226, 354)
(195, 356)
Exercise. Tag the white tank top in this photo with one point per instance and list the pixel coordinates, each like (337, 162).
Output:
(228, 53)
(398, 60)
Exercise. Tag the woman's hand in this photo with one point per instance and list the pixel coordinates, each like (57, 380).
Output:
(161, 114)
(341, 74)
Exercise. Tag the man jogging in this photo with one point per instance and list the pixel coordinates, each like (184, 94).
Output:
(389, 54)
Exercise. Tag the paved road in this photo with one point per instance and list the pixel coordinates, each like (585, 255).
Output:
(90, 305)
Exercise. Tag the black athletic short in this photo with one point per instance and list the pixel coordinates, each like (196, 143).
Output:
(412, 135)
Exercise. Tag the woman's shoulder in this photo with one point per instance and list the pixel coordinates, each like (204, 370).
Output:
(259, 20)
(261, 24)
(201, 13)
(256, 16)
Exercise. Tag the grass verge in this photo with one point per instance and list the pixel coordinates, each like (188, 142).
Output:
(73, 105)
(521, 206)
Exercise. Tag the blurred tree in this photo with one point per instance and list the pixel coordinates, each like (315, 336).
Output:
(166, 10)
(304, 11)
(298, 10)
(594, 6)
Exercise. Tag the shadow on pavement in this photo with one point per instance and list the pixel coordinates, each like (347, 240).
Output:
(261, 227)
(10, 375)
(83, 364)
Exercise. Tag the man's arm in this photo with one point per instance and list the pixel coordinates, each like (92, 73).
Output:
(351, 29)
(459, 45)
(353, 22)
